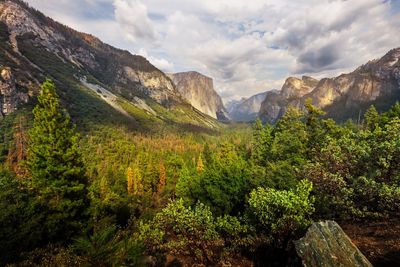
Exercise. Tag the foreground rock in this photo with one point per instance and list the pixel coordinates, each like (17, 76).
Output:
(326, 244)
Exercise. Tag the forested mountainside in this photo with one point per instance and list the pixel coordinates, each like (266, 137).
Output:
(344, 97)
(34, 46)
(199, 91)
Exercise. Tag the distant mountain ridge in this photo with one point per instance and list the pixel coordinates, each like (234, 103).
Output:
(246, 109)
(343, 97)
(199, 91)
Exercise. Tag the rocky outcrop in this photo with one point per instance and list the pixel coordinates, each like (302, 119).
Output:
(343, 97)
(247, 109)
(198, 90)
(8, 94)
(10, 97)
(325, 245)
(295, 88)
(276, 102)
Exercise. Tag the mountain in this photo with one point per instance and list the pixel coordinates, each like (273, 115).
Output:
(198, 89)
(247, 109)
(232, 104)
(90, 75)
(344, 97)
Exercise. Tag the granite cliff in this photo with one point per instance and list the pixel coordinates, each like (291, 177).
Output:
(199, 91)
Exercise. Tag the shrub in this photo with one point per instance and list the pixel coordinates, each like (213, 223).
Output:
(282, 213)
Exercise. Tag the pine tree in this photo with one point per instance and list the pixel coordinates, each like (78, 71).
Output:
(55, 165)
(130, 181)
(207, 154)
(200, 164)
(162, 178)
(371, 117)
(261, 142)
(134, 181)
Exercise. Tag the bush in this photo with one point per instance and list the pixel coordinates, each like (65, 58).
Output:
(185, 233)
(282, 213)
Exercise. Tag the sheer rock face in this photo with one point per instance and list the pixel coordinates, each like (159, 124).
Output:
(325, 244)
(294, 87)
(198, 90)
(124, 73)
(276, 102)
(345, 96)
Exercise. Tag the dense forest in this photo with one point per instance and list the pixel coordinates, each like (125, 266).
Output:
(112, 196)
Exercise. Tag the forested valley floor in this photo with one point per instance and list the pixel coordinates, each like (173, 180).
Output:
(114, 196)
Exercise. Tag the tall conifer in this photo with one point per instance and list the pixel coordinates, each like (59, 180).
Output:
(55, 164)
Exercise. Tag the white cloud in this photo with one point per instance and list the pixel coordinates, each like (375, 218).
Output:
(246, 46)
(133, 18)
(160, 63)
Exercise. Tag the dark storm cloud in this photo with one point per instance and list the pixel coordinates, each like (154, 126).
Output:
(319, 59)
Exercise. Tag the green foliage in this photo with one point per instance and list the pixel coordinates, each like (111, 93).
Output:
(57, 172)
(188, 232)
(239, 191)
(222, 184)
(100, 248)
(282, 213)
(371, 117)
(261, 142)
(106, 246)
(20, 219)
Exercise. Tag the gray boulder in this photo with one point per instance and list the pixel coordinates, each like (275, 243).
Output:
(326, 244)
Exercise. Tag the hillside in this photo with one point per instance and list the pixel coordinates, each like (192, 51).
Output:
(35, 46)
(344, 97)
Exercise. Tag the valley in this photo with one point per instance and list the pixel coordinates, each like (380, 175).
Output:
(109, 160)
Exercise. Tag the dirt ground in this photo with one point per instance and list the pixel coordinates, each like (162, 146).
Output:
(378, 241)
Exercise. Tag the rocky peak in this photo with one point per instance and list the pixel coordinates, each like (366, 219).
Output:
(295, 87)
(198, 90)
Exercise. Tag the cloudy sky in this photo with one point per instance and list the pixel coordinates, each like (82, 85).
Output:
(247, 46)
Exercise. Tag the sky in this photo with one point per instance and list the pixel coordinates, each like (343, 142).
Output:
(246, 46)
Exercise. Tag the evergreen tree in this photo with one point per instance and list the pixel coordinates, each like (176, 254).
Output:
(56, 168)
(207, 154)
(371, 118)
(261, 142)
(130, 181)
(200, 164)
(162, 178)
